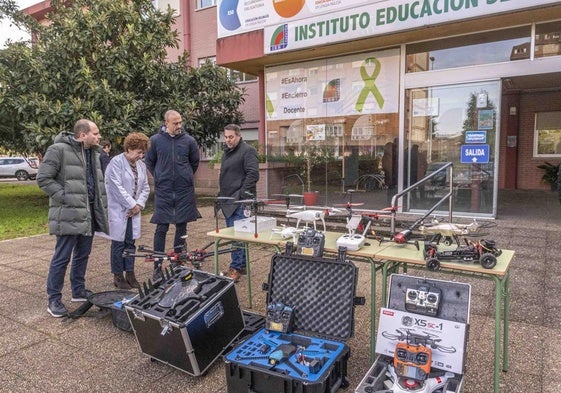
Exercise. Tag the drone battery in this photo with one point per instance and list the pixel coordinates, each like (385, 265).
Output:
(187, 319)
(313, 357)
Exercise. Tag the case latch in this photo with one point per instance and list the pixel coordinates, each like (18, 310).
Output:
(139, 315)
(166, 327)
(359, 301)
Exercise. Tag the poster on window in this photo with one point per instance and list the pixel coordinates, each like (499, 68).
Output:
(350, 85)
(315, 132)
(485, 119)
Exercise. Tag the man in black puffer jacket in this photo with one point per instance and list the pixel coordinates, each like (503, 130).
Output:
(71, 176)
(173, 159)
(239, 173)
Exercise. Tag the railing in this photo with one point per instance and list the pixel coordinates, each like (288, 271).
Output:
(406, 191)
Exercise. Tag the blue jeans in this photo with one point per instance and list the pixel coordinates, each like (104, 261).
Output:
(160, 238)
(119, 264)
(238, 255)
(77, 247)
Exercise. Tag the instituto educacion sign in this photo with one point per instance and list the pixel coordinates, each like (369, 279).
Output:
(382, 18)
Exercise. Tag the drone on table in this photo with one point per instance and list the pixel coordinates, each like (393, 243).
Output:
(286, 232)
(307, 216)
(252, 206)
(185, 256)
(450, 233)
(311, 216)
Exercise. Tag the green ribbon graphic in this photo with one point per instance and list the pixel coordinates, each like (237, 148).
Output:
(369, 85)
(269, 105)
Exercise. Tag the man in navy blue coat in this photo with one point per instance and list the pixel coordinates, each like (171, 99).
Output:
(173, 159)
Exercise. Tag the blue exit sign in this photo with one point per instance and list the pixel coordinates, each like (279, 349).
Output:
(475, 154)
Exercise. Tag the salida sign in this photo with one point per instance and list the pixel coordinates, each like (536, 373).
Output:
(475, 154)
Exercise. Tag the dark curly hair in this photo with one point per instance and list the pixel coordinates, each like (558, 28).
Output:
(136, 140)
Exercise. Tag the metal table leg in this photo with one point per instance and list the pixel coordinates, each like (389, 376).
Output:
(506, 316)
(501, 311)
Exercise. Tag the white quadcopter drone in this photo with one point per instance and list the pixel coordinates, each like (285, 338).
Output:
(286, 232)
(311, 216)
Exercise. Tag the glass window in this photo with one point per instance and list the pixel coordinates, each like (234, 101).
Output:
(235, 75)
(482, 48)
(455, 124)
(238, 76)
(329, 125)
(548, 39)
(547, 135)
(210, 59)
(205, 3)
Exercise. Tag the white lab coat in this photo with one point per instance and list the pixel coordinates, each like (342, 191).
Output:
(119, 184)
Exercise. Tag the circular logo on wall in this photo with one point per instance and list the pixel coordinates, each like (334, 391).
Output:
(229, 14)
(288, 8)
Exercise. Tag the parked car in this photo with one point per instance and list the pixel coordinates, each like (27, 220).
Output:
(22, 168)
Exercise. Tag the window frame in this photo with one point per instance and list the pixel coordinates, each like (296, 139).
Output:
(200, 5)
(537, 136)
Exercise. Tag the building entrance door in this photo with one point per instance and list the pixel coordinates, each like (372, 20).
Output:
(458, 124)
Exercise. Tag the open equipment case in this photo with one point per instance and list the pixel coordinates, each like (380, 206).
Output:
(187, 319)
(422, 338)
(302, 349)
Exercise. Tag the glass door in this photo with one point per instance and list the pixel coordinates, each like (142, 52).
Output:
(458, 124)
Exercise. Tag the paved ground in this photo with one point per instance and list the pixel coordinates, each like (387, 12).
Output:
(39, 353)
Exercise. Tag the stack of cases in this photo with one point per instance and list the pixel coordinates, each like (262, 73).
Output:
(321, 293)
(448, 327)
(187, 319)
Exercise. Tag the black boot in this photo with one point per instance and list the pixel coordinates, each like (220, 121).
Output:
(131, 280)
(120, 281)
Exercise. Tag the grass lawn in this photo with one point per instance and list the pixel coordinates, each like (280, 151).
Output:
(23, 208)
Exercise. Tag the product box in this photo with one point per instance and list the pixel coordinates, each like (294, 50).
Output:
(187, 319)
(422, 337)
(313, 356)
(248, 224)
(446, 339)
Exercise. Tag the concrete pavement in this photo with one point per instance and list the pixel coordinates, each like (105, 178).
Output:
(39, 353)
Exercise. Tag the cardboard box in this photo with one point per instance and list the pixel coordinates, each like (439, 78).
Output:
(247, 225)
(450, 337)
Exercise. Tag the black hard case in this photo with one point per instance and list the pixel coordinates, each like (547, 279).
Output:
(322, 293)
(192, 335)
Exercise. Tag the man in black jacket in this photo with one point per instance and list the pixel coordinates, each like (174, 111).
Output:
(173, 159)
(239, 173)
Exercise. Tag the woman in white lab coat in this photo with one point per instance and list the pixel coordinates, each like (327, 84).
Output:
(126, 183)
